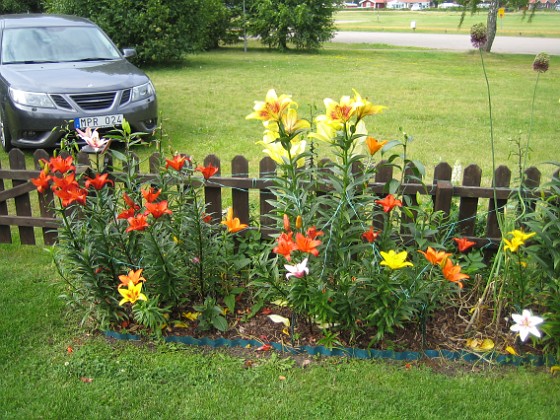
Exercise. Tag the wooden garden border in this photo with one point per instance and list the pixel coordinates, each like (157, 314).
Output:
(23, 215)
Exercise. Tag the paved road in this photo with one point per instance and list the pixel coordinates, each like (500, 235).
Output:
(452, 42)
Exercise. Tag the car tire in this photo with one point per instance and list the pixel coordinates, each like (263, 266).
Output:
(5, 137)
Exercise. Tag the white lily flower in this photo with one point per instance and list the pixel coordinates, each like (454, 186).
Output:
(297, 270)
(525, 324)
(92, 138)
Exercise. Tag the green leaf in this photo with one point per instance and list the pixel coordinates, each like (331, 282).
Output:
(220, 323)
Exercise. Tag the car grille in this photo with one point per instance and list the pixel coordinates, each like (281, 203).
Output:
(61, 102)
(125, 96)
(94, 101)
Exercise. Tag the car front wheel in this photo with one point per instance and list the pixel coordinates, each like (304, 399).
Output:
(4, 133)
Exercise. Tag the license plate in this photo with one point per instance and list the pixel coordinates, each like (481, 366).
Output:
(98, 122)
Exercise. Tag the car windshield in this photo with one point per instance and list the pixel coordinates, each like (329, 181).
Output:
(55, 44)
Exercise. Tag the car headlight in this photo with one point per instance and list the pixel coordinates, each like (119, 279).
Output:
(142, 92)
(38, 100)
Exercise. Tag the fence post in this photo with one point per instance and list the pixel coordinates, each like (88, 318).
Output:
(468, 206)
(213, 195)
(5, 231)
(23, 204)
(240, 196)
(45, 200)
(501, 180)
(267, 169)
(383, 174)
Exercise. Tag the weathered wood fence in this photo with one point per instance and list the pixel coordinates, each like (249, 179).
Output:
(24, 209)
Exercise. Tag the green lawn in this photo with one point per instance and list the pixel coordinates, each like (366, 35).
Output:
(40, 378)
(543, 24)
(439, 98)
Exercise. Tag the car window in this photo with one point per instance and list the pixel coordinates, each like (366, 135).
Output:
(55, 44)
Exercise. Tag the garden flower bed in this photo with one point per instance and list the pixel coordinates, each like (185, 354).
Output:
(346, 267)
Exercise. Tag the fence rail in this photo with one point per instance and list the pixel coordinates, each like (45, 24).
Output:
(25, 210)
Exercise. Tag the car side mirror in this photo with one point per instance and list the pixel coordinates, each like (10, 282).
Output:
(129, 52)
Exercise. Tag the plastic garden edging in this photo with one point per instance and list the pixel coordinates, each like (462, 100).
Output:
(352, 352)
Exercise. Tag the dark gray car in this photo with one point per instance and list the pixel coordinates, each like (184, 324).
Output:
(63, 71)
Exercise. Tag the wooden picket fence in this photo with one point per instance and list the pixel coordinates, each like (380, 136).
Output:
(23, 209)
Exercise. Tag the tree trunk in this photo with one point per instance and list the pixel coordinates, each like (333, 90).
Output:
(491, 25)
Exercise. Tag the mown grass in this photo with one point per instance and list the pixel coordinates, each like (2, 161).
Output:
(40, 378)
(543, 24)
(439, 98)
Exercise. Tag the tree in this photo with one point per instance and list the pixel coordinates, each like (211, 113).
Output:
(492, 19)
(20, 6)
(160, 30)
(305, 23)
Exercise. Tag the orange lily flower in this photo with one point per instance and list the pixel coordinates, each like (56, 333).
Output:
(435, 257)
(285, 245)
(133, 277)
(233, 224)
(374, 145)
(389, 203)
(464, 244)
(139, 222)
(370, 235)
(453, 272)
(158, 209)
(307, 244)
(207, 171)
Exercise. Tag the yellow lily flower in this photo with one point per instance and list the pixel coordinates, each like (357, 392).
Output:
(291, 122)
(395, 261)
(280, 155)
(272, 108)
(132, 293)
(522, 236)
(512, 245)
(364, 107)
(341, 111)
(325, 131)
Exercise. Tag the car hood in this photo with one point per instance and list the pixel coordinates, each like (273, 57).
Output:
(73, 77)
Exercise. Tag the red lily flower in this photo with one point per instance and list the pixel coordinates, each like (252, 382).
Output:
(177, 162)
(312, 232)
(389, 203)
(126, 214)
(306, 244)
(99, 181)
(285, 245)
(130, 203)
(137, 223)
(42, 181)
(64, 183)
(158, 209)
(73, 193)
(207, 171)
(61, 164)
(463, 244)
(370, 235)
(151, 194)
